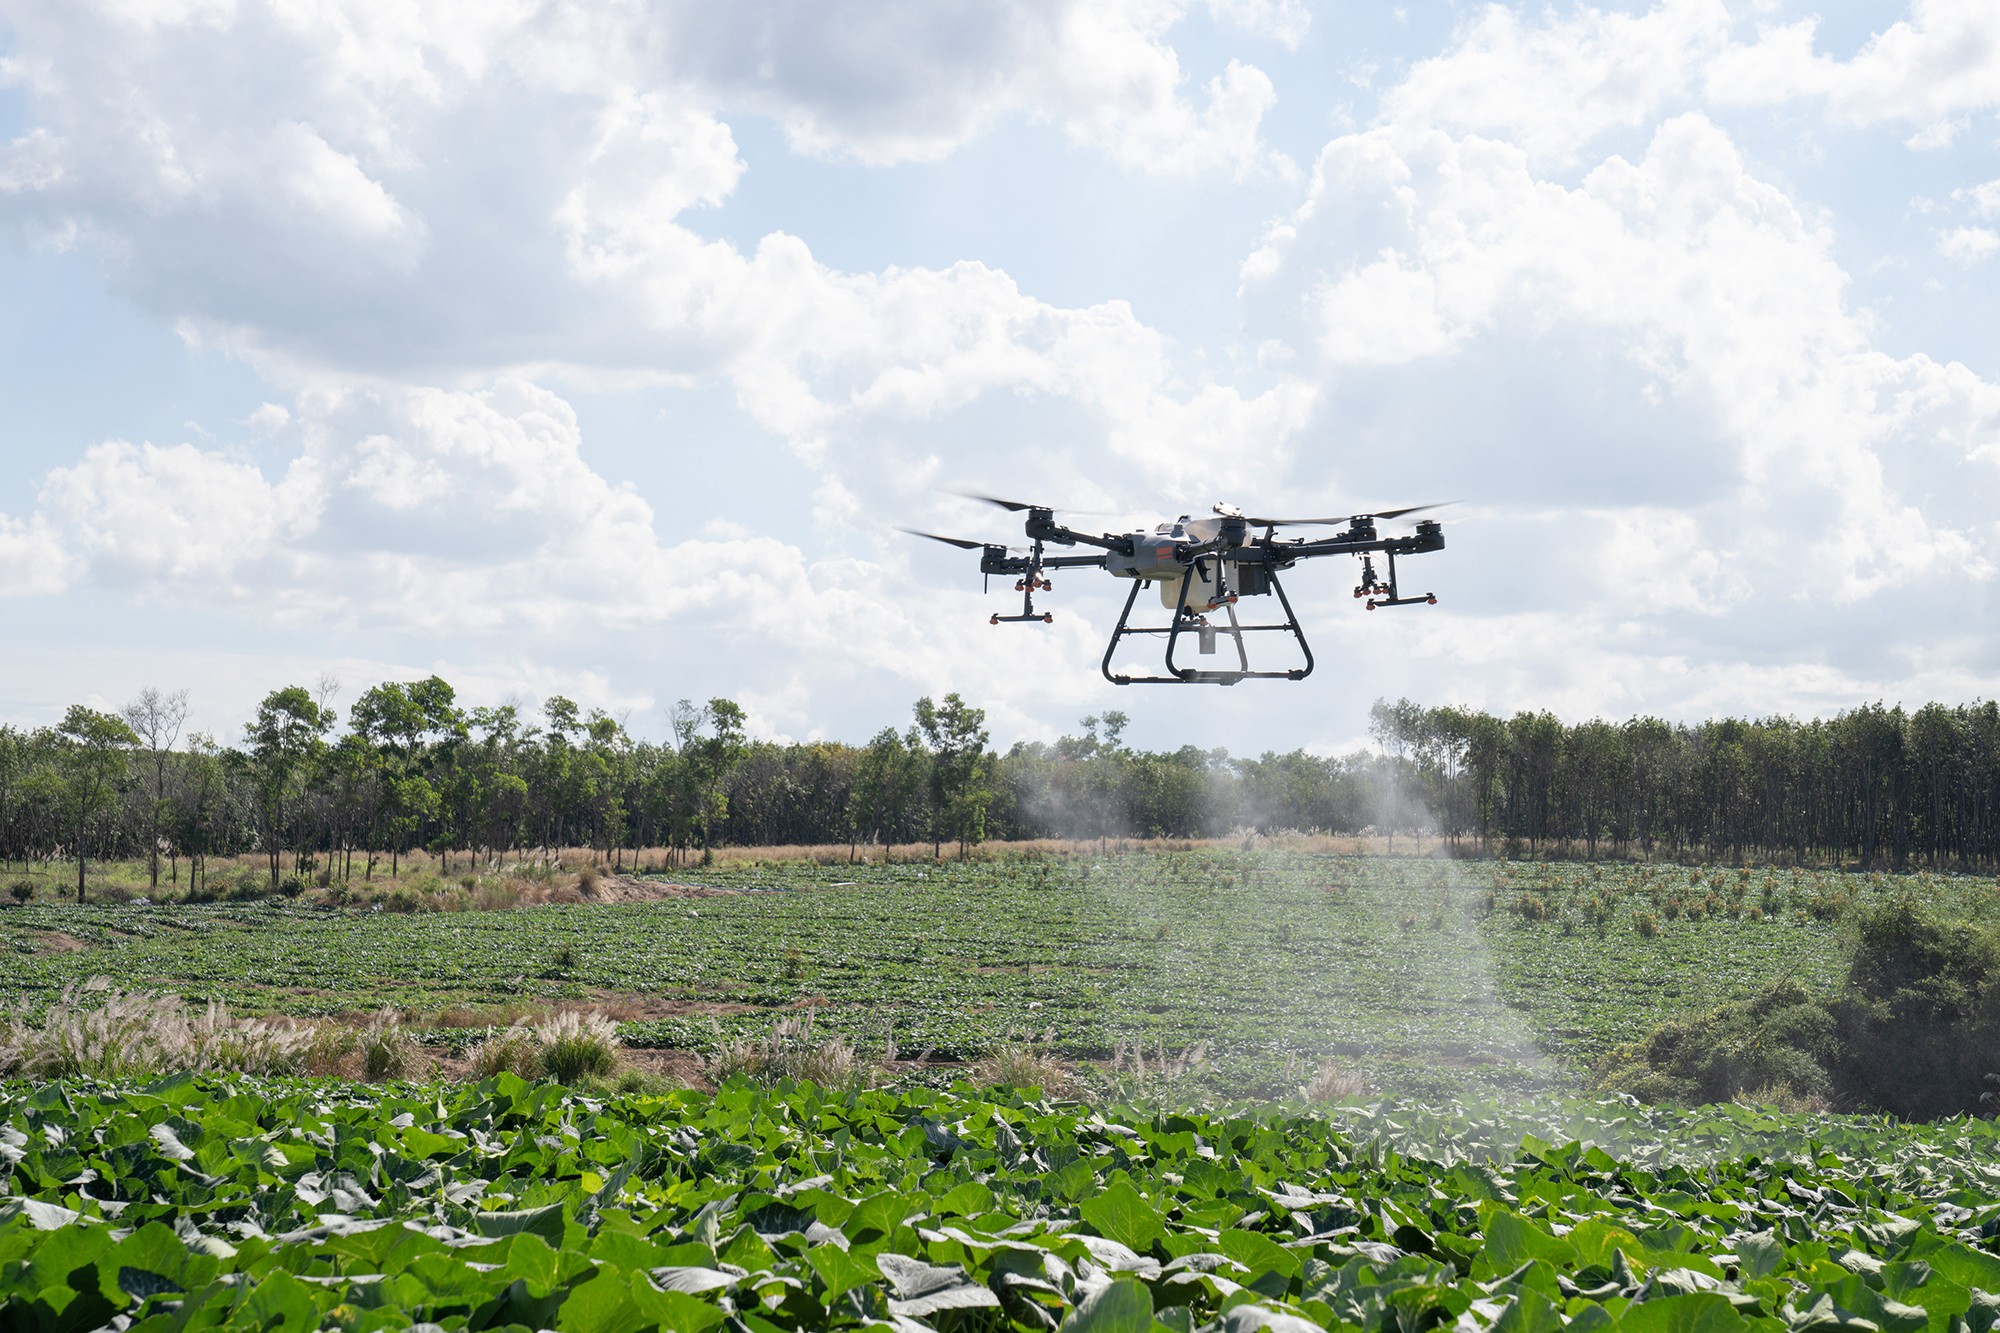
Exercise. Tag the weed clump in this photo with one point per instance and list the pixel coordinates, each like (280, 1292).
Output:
(578, 1046)
(792, 1051)
(387, 1050)
(568, 1048)
(99, 1031)
(1333, 1081)
(1019, 1066)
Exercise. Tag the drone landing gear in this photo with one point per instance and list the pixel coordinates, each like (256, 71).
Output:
(1370, 588)
(1188, 621)
(1028, 585)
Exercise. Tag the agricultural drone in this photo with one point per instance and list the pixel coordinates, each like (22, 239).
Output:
(1202, 566)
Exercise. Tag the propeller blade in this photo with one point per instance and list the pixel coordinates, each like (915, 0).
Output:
(1291, 522)
(1014, 506)
(1020, 506)
(959, 542)
(1385, 513)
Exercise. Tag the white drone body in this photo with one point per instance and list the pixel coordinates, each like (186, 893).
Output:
(1202, 567)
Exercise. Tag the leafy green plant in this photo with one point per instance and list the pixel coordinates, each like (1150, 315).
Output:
(657, 1208)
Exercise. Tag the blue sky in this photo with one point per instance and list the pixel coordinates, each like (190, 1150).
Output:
(593, 350)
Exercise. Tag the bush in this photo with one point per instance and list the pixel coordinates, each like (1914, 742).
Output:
(1921, 1017)
(22, 890)
(1783, 1039)
(1915, 1031)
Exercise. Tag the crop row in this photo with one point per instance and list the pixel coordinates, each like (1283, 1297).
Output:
(1414, 969)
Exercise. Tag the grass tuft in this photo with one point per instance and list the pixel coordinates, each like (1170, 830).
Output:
(1333, 1082)
(99, 1031)
(568, 1047)
(1017, 1066)
(792, 1051)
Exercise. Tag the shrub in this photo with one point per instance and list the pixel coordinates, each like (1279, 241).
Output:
(22, 890)
(1780, 1040)
(1915, 1032)
(1921, 1016)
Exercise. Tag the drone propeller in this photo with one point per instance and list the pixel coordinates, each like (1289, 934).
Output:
(959, 542)
(1385, 513)
(1022, 506)
(1013, 506)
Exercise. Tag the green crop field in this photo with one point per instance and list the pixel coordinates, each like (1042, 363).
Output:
(275, 1206)
(1207, 1196)
(1432, 977)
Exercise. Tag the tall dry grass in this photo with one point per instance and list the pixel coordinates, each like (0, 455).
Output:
(98, 1030)
(792, 1050)
(567, 1047)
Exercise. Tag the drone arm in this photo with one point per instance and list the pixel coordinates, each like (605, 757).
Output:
(1428, 537)
(1042, 527)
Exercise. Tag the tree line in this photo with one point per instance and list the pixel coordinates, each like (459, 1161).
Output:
(410, 768)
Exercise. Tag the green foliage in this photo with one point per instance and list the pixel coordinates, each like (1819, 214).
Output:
(266, 1204)
(1915, 1031)
(964, 958)
(1783, 1039)
(1921, 1016)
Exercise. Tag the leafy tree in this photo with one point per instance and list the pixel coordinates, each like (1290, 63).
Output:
(93, 753)
(955, 734)
(286, 737)
(710, 743)
(887, 781)
(199, 815)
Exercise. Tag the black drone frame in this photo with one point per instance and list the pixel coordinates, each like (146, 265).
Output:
(1255, 562)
